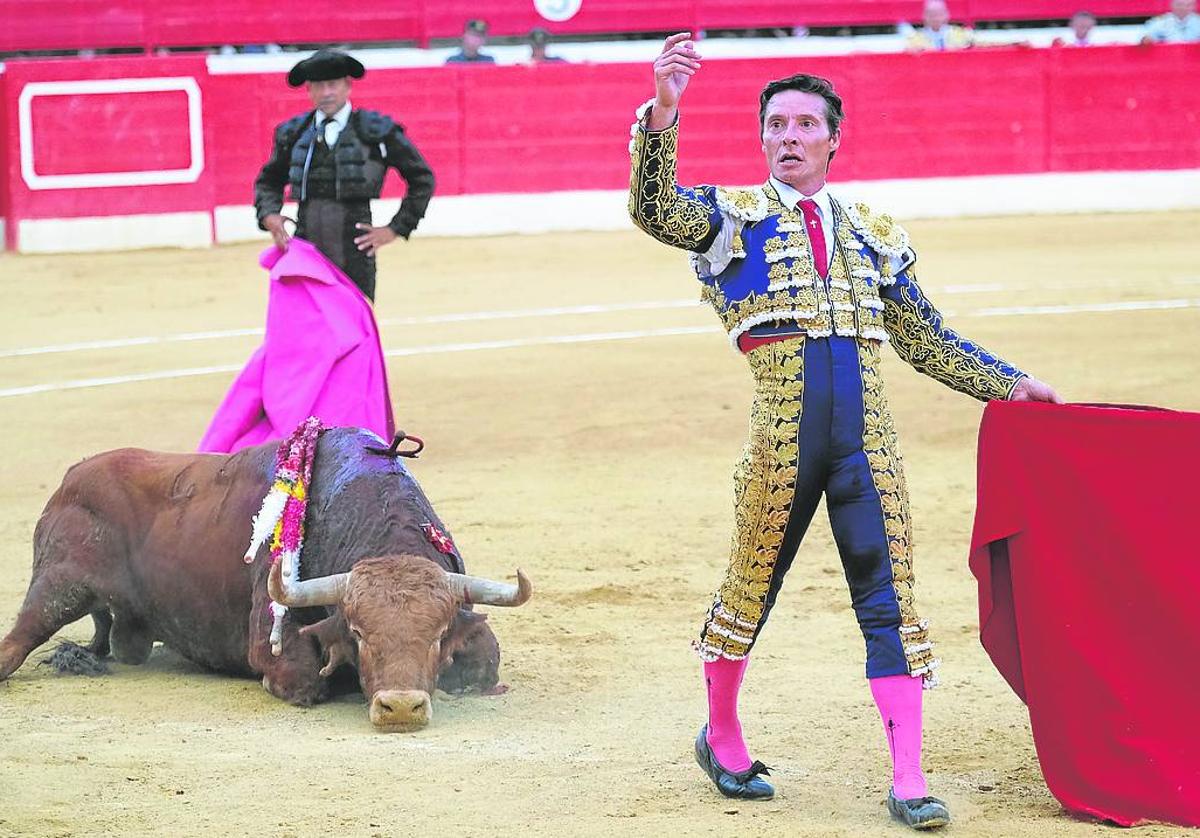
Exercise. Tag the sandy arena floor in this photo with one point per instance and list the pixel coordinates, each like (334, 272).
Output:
(602, 468)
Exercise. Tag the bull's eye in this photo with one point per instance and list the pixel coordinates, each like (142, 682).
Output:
(356, 634)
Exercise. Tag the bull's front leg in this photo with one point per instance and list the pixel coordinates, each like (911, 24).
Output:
(295, 675)
(56, 597)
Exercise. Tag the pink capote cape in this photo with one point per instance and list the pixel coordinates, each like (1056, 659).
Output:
(320, 357)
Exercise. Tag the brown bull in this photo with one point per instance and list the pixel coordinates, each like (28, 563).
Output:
(150, 545)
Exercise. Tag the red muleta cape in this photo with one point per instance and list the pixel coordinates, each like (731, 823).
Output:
(320, 357)
(1089, 598)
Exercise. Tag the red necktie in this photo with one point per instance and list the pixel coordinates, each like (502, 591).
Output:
(816, 235)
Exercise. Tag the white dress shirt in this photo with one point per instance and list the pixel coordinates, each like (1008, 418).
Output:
(718, 256)
(1169, 29)
(791, 197)
(333, 125)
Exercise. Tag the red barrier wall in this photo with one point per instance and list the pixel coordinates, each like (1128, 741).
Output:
(84, 24)
(189, 23)
(95, 143)
(1137, 108)
(561, 127)
(8, 238)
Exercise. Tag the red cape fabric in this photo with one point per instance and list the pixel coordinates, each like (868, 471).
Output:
(320, 357)
(1089, 587)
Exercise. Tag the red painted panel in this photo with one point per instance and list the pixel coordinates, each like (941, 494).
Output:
(104, 132)
(1053, 9)
(79, 24)
(445, 19)
(189, 23)
(1127, 108)
(733, 14)
(157, 132)
(8, 240)
(524, 126)
(926, 116)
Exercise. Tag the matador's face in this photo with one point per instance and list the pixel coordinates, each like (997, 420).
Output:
(797, 141)
(329, 96)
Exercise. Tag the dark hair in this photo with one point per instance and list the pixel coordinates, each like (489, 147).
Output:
(805, 84)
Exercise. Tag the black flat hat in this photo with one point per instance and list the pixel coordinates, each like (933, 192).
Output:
(323, 65)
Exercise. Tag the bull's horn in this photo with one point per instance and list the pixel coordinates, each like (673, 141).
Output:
(323, 590)
(482, 591)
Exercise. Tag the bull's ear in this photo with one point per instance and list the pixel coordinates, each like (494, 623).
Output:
(459, 630)
(333, 636)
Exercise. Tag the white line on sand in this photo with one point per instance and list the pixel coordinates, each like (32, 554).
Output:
(434, 349)
(459, 317)
(591, 337)
(483, 316)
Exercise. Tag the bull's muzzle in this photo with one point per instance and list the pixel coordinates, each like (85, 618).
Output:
(401, 710)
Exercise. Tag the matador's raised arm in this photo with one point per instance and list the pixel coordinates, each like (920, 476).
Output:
(673, 214)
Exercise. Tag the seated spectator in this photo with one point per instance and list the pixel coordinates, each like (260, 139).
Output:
(938, 34)
(1178, 26)
(473, 38)
(1081, 25)
(538, 39)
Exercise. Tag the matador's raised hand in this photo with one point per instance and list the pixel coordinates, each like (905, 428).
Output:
(675, 65)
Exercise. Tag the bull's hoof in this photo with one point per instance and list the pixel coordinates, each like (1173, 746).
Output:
(400, 711)
(72, 659)
(130, 641)
(302, 696)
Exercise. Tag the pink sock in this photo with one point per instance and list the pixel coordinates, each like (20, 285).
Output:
(724, 679)
(898, 698)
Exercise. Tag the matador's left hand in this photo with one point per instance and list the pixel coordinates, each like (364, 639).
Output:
(1029, 389)
(374, 238)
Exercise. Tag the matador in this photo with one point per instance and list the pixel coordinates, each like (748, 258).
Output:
(809, 289)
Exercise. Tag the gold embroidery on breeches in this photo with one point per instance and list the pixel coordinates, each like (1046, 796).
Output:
(764, 484)
(882, 448)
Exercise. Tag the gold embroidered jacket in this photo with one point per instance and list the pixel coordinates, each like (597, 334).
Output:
(754, 261)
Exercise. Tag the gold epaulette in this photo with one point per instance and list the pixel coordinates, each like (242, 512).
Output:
(743, 204)
(880, 231)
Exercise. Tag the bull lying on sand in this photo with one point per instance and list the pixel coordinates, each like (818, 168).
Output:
(151, 546)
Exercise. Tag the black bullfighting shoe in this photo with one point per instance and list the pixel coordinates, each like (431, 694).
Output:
(744, 785)
(918, 812)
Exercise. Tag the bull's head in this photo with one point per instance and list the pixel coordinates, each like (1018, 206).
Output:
(396, 616)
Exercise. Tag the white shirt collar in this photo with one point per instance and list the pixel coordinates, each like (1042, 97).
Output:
(341, 117)
(790, 196)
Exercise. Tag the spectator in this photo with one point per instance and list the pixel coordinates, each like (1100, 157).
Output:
(538, 39)
(1081, 25)
(1178, 26)
(938, 34)
(473, 38)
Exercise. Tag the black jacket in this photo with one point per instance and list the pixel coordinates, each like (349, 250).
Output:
(370, 143)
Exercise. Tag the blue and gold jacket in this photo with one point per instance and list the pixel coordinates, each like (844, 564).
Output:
(753, 258)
